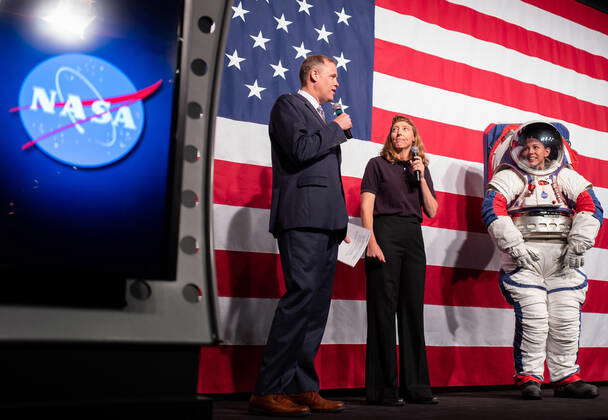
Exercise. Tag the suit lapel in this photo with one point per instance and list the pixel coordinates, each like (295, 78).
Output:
(310, 107)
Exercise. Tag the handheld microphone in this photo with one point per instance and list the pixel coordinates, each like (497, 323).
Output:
(337, 108)
(415, 152)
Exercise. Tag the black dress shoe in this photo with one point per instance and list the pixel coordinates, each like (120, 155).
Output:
(424, 400)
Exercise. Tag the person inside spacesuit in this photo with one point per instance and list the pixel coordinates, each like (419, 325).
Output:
(543, 216)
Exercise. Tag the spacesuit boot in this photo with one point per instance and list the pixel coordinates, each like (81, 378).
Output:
(578, 389)
(531, 391)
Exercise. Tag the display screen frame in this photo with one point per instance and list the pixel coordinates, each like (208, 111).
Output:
(183, 311)
(164, 259)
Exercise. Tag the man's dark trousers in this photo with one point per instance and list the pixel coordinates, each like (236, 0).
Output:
(308, 257)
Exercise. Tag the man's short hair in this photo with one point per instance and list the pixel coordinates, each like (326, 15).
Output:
(312, 61)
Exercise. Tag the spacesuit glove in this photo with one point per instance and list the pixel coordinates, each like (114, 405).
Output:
(524, 256)
(573, 254)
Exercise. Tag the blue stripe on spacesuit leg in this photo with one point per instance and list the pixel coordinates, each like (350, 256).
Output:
(504, 292)
(505, 278)
(578, 287)
(561, 289)
(518, 337)
(508, 280)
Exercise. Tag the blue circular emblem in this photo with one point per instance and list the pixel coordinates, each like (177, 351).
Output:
(81, 110)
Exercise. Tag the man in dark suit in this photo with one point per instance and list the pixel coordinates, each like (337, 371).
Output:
(308, 217)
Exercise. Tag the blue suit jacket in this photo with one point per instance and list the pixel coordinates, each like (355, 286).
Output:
(307, 187)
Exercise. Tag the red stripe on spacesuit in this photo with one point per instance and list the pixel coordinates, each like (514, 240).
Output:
(520, 380)
(500, 205)
(584, 202)
(569, 379)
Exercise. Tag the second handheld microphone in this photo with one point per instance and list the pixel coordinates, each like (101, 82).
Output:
(415, 152)
(337, 108)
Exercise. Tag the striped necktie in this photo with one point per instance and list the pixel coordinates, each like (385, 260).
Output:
(321, 113)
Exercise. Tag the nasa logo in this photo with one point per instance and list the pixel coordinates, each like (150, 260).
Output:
(81, 110)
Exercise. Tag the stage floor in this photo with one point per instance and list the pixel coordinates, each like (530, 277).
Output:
(485, 403)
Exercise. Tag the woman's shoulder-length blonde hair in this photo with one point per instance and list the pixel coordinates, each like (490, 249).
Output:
(388, 151)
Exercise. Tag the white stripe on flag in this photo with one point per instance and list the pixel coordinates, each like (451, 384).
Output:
(246, 229)
(247, 142)
(465, 111)
(538, 20)
(346, 324)
(463, 48)
(244, 142)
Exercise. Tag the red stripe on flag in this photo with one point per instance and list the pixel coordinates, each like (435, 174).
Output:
(457, 212)
(229, 369)
(596, 300)
(594, 170)
(423, 68)
(601, 241)
(466, 144)
(462, 287)
(466, 366)
(226, 369)
(240, 184)
(594, 363)
(491, 29)
(249, 186)
(438, 138)
(243, 185)
(259, 275)
(574, 11)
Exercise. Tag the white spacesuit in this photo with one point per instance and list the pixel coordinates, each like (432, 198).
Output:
(543, 216)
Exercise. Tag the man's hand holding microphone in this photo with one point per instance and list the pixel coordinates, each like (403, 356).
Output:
(342, 119)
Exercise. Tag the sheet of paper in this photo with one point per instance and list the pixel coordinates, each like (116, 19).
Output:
(351, 253)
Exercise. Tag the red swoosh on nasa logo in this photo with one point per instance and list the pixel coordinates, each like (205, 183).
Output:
(140, 94)
(128, 99)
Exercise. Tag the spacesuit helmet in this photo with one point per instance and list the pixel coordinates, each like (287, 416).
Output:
(544, 132)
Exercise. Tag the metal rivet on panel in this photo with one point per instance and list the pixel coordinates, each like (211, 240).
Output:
(191, 153)
(206, 25)
(189, 245)
(189, 198)
(192, 293)
(140, 290)
(195, 111)
(199, 67)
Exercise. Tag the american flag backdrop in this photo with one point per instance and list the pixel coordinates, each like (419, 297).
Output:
(454, 67)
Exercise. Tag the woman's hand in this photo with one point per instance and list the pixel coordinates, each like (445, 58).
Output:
(417, 165)
(367, 220)
(374, 251)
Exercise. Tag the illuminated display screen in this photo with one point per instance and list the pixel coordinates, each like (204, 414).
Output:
(86, 129)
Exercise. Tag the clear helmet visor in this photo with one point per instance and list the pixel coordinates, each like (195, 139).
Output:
(548, 137)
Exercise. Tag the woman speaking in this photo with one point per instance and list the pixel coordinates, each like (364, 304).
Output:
(396, 187)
